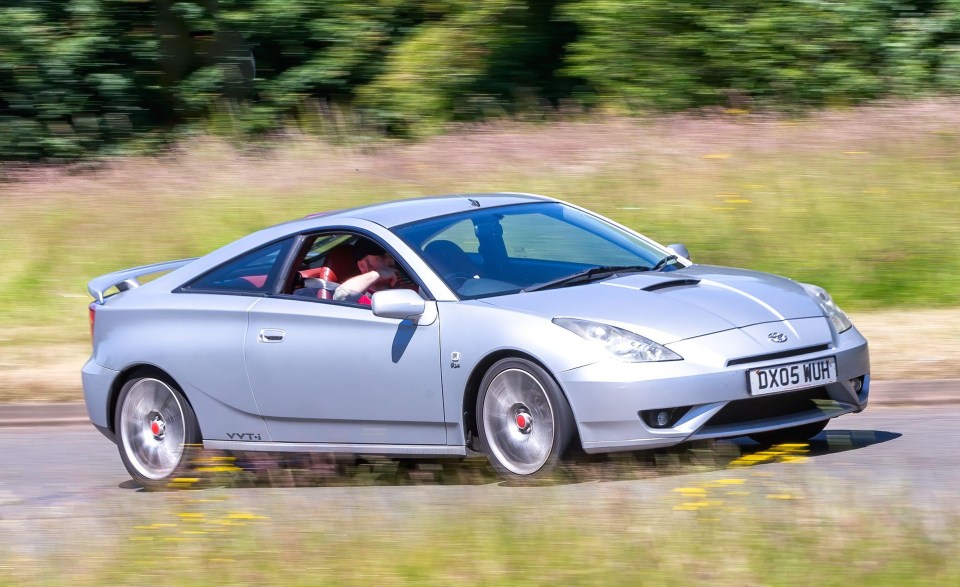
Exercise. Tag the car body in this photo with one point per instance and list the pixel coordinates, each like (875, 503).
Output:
(535, 326)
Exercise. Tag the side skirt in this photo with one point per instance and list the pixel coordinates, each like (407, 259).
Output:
(400, 450)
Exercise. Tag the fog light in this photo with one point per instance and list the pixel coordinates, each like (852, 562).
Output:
(857, 384)
(663, 417)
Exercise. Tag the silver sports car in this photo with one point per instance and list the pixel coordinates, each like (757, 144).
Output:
(512, 324)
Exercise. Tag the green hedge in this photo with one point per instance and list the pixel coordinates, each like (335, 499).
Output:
(81, 77)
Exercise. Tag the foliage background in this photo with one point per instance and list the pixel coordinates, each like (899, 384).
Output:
(82, 77)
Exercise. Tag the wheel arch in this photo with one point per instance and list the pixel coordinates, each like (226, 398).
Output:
(472, 389)
(131, 372)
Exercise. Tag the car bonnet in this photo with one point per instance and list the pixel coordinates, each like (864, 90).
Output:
(672, 306)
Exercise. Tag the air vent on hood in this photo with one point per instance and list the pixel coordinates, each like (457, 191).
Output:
(671, 283)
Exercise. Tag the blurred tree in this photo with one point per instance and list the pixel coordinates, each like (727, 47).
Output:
(412, 64)
(787, 53)
(204, 61)
(527, 52)
(429, 71)
(75, 75)
(90, 76)
(922, 50)
(480, 58)
(80, 76)
(317, 49)
(691, 53)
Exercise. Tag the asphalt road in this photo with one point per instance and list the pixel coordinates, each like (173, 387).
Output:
(62, 484)
(913, 452)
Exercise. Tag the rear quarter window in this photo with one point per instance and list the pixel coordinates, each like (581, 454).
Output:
(252, 272)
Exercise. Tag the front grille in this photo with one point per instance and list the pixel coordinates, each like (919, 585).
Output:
(770, 406)
(780, 355)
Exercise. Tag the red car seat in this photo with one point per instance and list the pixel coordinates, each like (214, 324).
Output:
(338, 266)
(342, 263)
(325, 273)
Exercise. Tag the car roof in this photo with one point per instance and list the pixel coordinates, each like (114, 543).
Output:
(398, 212)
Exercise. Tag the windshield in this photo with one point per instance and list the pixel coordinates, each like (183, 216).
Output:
(502, 250)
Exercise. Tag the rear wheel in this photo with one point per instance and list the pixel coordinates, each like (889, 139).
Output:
(794, 434)
(156, 431)
(524, 421)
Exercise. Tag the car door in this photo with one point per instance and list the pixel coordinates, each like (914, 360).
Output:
(331, 372)
(198, 338)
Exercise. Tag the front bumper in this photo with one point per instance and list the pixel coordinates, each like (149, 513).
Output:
(711, 400)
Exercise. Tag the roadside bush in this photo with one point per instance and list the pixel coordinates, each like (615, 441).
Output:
(80, 77)
(75, 76)
(798, 53)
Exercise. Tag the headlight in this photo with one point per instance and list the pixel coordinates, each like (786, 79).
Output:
(622, 344)
(830, 309)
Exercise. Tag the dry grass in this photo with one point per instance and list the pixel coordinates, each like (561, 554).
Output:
(476, 155)
(920, 344)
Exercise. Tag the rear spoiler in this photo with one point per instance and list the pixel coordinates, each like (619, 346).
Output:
(127, 279)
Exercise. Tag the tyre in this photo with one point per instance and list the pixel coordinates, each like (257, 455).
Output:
(524, 421)
(156, 431)
(794, 434)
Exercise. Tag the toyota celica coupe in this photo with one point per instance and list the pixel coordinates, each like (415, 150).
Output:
(514, 325)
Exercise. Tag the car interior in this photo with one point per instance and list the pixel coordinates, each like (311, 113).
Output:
(320, 277)
(328, 262)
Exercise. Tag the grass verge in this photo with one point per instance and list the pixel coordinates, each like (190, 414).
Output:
(741, 525)
(863, 202)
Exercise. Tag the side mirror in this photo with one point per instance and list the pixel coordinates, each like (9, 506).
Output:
(403, 304)
(681, 250)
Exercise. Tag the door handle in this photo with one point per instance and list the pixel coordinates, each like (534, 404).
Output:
(271, 335)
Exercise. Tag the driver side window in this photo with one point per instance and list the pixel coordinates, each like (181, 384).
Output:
(337, 266)
(326, 261)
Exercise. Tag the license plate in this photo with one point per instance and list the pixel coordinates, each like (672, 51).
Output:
(794, 376)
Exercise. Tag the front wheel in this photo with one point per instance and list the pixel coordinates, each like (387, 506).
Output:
(524, 420)
(156, 429)
(794, 434)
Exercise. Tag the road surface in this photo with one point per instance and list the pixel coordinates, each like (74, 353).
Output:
(67, 482)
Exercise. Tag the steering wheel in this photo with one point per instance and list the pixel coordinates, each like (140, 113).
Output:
(456, 279)
(298, 280)
(403, 280)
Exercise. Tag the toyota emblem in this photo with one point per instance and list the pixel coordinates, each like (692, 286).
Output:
(777, 337)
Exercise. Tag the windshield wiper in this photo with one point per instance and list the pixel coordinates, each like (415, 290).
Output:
(663, 262)
(587, 275)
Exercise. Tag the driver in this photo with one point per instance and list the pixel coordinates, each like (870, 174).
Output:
(377, 272)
